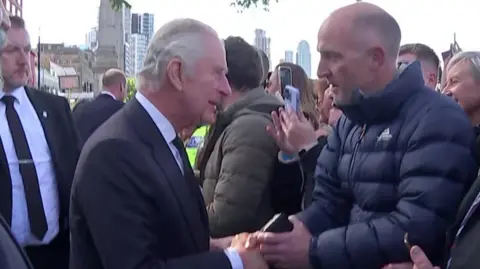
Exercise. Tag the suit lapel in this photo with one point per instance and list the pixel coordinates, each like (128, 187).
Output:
(5, 187)
(46, 119)
(165, 160)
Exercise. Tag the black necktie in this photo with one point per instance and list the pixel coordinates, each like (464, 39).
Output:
(177, 142)
(36, 213)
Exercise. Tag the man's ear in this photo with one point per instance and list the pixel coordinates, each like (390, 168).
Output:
(377, 56)
(174, 73)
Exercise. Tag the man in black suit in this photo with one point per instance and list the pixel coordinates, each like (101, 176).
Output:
(89, 116)
(38, 154)
(135, 200)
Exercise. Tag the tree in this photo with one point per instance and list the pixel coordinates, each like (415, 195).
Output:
(241, 4)
(131, 88)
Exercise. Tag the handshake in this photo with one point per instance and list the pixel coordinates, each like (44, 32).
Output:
(287, 250)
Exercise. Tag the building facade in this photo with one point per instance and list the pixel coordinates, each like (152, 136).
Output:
(139, 49)
(80, 60)
(15, 7)
(262, 42)
(304, 57)
(288, 56)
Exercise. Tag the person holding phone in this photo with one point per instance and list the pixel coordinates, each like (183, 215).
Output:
(370, 187)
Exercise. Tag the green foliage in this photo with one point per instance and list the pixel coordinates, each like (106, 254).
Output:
(131, 88)
(246, 4)
(118, 4)
(240, 4)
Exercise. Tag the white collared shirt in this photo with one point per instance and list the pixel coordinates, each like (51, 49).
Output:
(42, 159)
(168, 132)
(108, 93)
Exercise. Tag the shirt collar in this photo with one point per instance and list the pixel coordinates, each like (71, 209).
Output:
(162, 123)
(19, 94)
(108, 93)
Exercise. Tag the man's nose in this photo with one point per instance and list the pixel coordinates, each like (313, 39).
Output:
(225, 88)
(322, 70)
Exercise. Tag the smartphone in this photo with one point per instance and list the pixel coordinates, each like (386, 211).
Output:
(406, 242)
(285, 78)
(278, 224)
(292, 98)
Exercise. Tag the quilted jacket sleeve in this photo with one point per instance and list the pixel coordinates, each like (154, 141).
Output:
(330, 206)
(436, 170)
(249, 156)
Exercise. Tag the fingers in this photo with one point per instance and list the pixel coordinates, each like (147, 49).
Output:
(405, 265)
(276, 122)
(420, 259)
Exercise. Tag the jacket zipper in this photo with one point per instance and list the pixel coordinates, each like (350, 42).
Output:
(355, 149)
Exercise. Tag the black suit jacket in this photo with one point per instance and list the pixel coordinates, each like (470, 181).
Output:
(464, 252)
(131, 205)
(62, 138)
(90, 115)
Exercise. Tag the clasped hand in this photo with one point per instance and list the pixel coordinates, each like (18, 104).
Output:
(284, 250)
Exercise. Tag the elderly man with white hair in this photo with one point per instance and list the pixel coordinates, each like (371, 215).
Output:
(135, 201)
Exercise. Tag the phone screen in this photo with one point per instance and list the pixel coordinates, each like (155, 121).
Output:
(285, 75)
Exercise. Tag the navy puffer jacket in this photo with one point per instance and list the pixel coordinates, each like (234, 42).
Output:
(398, 161)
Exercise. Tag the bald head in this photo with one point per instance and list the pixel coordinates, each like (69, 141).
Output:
(358, 47)
(371, 25)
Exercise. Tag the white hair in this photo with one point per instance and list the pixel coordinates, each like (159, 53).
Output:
(472, 58)
(180, 38)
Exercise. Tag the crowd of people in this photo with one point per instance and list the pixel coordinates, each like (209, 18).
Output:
(377, 170)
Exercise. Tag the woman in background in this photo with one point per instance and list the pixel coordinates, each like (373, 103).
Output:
(300, 81)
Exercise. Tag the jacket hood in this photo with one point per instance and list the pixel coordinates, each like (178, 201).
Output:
(385, 104)
(256, 101)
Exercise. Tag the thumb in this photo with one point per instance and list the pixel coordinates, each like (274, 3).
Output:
(420, 259)
(295, 221)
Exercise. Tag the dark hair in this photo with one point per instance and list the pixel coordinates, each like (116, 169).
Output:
(421, 52)
(17, 22)
(244, 65)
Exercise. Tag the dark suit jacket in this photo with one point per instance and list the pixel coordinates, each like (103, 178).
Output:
(131, 205)
(90, 115)
(11, 254)
(464, 252)
(62, 139)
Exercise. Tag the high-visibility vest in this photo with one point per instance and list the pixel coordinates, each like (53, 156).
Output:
(194, 143)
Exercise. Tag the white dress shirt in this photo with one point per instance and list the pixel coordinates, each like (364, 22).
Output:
(40, 151)
(168, 132)
(108, 93)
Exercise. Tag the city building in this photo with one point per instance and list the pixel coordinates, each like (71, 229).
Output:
(288, 56)
(81, 61)
(139, 49)
(136, 23)
(148, 24)
(15, 7)
(304, 57)
(127, 29)
(142, 30)
(262, 42)
(91, 39)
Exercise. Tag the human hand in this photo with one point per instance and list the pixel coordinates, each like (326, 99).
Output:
(292, 131)
(420, 261)
(220, 243)
(285, 250)
(251, 257)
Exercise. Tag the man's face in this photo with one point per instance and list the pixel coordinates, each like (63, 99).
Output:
(14, 58)
(207, 85)
(462, 87)
(429, 75)
(343, 62)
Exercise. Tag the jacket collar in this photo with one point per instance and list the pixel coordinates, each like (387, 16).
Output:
(386, 104)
